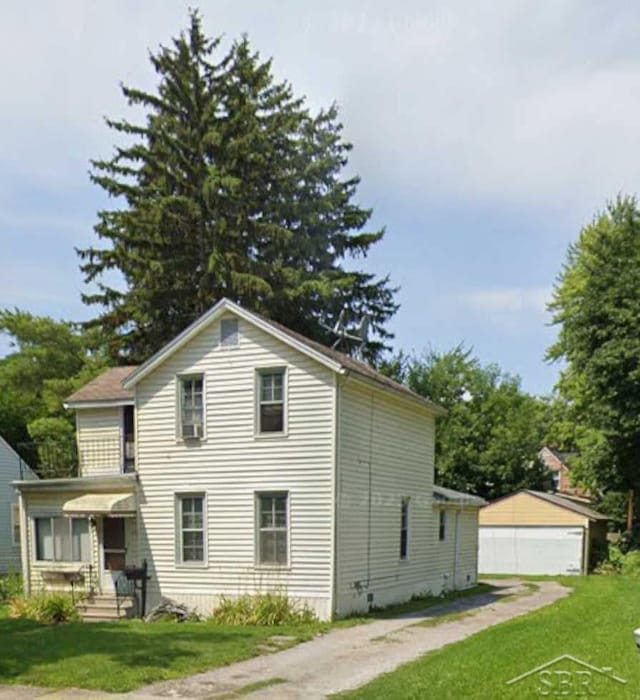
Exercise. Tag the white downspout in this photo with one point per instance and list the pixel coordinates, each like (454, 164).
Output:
(24, 545)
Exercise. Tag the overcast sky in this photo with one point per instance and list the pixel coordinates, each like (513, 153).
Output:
(486, 135)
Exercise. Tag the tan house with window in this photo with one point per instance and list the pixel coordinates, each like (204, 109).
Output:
(244, 457)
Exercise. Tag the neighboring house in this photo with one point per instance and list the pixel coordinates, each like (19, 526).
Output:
(244, 457)
(559, 465)
(12, 467)
(531, 532)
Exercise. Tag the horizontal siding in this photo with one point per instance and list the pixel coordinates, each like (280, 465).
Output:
(385, 453)
(231, 464)
(525, 509)
(99, 436)
(9, 471)
(50, 504)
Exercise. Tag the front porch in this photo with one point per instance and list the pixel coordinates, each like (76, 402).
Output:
(80, 536)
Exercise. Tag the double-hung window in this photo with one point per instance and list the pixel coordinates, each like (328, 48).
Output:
(404, 529)
(191, 526)
(192, 407)
(273, 529)
(62, 539)
(271, 401)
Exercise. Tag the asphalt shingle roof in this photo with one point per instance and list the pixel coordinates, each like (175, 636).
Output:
(105, 387)
(568, 504)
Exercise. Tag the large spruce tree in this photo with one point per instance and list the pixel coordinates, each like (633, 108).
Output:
(230, 188)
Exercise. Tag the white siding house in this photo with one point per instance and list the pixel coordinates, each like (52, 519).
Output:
(246, 458)
(12, 468)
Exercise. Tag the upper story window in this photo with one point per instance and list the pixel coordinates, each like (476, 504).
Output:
(228, 332)
(404, 529)
(271, 401)
(555, 480)
(191, 526)
(442, 525)
(192, 407)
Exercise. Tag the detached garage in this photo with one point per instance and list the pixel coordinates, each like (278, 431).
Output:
(531, 532)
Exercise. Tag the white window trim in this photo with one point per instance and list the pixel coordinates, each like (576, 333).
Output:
(204, 564)
(15, 522)
(53, 516)
(256, 545)
(179, 379)
(407, 500)
(285, 403)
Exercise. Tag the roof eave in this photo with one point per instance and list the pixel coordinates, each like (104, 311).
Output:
(210, 316)
(433, 408)
(98, 403)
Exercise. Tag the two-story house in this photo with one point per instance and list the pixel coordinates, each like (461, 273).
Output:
(243, 457)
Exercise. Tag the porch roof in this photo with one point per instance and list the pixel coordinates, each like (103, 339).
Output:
(113, 504)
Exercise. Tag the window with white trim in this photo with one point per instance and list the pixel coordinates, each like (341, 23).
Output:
(62, 539)
(228, 332)
(15, 524)
(191, 524)
(192, 407)
(404, 529)
(271, 401)
(442, 525)
(273, 529)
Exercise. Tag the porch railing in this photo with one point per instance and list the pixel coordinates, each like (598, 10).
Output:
(67, 458)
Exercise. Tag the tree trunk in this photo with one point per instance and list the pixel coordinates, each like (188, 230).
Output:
(631, 509)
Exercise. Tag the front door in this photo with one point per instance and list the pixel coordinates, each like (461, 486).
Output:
(113, 552)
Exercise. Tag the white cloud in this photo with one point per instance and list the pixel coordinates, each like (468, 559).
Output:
(522, 102)
(515, 300)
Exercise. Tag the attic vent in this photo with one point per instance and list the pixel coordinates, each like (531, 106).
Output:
(228, 332)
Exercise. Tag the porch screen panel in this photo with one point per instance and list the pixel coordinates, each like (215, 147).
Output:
(44, 539)
(80, 546)
(61, 539)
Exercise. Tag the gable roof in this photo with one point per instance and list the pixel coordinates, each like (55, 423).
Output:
(568, 504)
(334, 360)
(105, 388)
(563, 457)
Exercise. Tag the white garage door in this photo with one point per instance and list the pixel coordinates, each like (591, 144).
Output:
(530, 550)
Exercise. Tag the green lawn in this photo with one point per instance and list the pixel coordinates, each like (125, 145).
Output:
(125, 655)
(594, 624)
(122, 656)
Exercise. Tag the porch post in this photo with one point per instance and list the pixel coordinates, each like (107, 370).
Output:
(24, 544)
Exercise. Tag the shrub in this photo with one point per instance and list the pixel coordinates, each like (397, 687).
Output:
(631, 564)
(10, 587)
(46, 608)
(265, 609)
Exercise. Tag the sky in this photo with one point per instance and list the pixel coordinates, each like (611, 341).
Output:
(486, 135)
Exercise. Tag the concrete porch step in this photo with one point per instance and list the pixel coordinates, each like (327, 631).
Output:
(102, 608)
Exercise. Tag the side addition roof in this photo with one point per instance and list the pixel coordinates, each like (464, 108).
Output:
(107, 388)
(334, 360)
(444, 495)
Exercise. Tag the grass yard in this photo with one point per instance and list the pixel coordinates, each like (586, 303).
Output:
(595, 624)
(121, 656)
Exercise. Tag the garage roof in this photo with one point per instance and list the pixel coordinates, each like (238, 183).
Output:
(567, 503)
